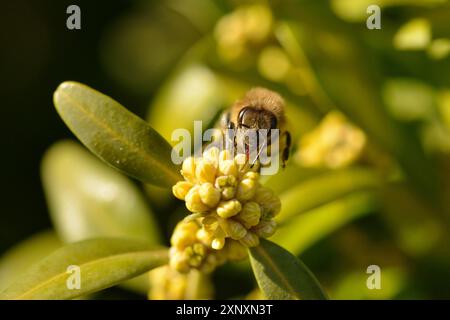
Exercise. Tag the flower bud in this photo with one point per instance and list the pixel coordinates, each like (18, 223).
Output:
(205, 237)
(232, 181)
(263, 195)
(195, 261)
(265, 228)
(178, 262)
(188, 169)
(210, 223)
(184, 234)
(250, 214)
(209, 265)
(181, 189)
(218, 243)
(199, 249)
(226, 185)
(234, 229)
(251, 175)
(205, 171)
(221, 182)
(272, 208)
(188, 252)
(194, 202)
(228, 193)
(250, 240)
(246, 189)
(235, 250)
(182, 239)
(227, 209)
(220, 233)
(209, 195)
(228, 167)
(269, 202)
(212, 155)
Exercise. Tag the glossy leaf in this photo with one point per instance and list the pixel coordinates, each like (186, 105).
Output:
(307, 228)
(89, 199)
(282, 276)
(17, 259)
(324, 188)
(116, 135)
(103, 263)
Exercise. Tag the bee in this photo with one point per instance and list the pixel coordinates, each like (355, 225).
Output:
(259, 109)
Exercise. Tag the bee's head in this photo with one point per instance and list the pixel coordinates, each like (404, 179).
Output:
(255, 117)
(258, 109)
(251, 118)
(254, 129)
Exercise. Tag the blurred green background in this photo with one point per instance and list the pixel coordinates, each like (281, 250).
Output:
(371, 192)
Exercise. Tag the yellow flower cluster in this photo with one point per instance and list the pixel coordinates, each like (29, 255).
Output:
(192, 249)
(230, 211)
(168, 284)
(242, 30)
(335, 143)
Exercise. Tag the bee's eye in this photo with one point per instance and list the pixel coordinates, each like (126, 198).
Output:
(247, 117)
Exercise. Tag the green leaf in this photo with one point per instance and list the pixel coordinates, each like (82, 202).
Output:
(282, 276)
(168, 109)
(88, 199)
(324, 188)
(353, 285)
(116, 135)
(289, 177)
(307, 228)
(341, 66)
(318, 206)
(103, 263)
(17, 259)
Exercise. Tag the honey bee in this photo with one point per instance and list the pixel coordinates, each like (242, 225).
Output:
(259, 109)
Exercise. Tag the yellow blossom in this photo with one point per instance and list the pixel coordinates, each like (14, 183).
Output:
(250, 239)
(250, 214)
(218, 243)
(181, 189)
(209, 195)
(246, 189)
(234, 229)
(188, 169)
(230, 211)
(193, 200)
(227, 209)
(265, 228)
(334, 143)
(205, 171)
(235, 251)
(228, 168)
(168, 284)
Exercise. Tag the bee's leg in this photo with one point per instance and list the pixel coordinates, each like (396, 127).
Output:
(287, 148)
